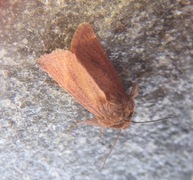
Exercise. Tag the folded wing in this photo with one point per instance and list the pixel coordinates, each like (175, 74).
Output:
(65, 69)
(93, 57)
(85, 71)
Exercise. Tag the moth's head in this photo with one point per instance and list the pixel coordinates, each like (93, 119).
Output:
(117, 114)
(125, 119)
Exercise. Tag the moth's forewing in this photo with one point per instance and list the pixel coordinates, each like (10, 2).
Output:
(93, 57)
(65, 69)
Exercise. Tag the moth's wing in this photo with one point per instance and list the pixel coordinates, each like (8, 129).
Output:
(69, 73)
(92, 56)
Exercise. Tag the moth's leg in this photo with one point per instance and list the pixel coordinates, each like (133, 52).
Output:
(102, 129)
(90, 122)
(134, 91)
(93, 122)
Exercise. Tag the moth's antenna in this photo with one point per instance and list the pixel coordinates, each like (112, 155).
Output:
(154, 120)
(118, 135)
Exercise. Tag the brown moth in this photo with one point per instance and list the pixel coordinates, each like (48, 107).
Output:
(86, 72)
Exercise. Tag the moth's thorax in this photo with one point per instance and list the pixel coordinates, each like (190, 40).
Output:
(117, 113)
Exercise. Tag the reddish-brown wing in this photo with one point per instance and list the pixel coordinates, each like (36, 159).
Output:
(66, 70)
(85, 71)
(92, 56)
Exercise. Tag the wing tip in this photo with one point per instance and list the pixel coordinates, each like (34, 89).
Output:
(83, 28)
(84, 24)
(48, 57)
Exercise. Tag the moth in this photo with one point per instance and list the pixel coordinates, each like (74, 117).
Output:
(86, 72)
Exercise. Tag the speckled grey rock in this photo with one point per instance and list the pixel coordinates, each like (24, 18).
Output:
(35, 114)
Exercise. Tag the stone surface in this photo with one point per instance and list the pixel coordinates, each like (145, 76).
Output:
(35, 114)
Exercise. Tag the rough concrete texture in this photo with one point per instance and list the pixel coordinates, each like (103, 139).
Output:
(139, 36)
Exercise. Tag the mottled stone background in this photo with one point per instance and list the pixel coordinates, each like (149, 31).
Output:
(35, 114)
